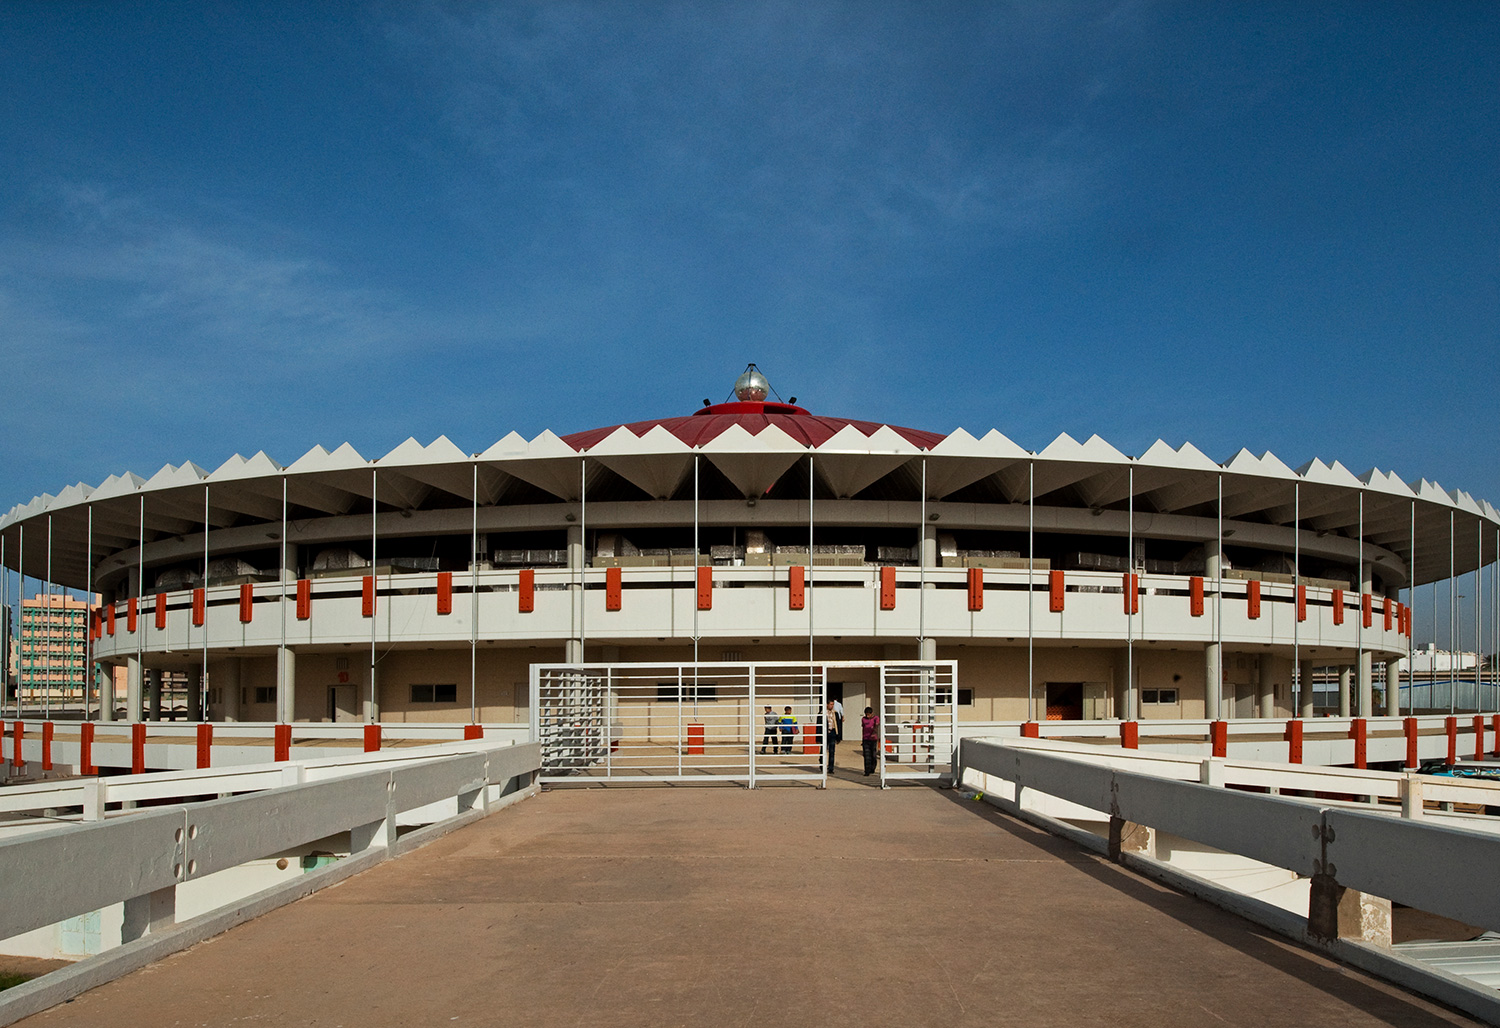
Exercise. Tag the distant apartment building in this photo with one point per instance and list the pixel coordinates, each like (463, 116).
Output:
(48, 655)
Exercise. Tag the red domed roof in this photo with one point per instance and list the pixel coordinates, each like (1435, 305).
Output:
(703, 425)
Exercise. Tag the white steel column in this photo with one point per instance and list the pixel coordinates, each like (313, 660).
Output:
(48, 646)
(133, 683)
(808, 591)
(1366, 588)
(286, 665)
(196, 697)
(474, 604)
(1213, 653)
(1132, 711)
(1296, 594)
(372, 711)
(695, 576)
(1030, 593)
(1452, 622)
(583, 554)
(88, 624)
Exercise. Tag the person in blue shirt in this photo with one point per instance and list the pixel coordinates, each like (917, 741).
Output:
(788, 729)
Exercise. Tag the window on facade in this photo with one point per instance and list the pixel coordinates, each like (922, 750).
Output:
(667, 693)
(443, 693)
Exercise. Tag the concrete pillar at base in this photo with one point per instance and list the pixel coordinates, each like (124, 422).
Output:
(1129, 837)
(106, 675)
(1366, 685)
(132, 689)
(195, 694)
(1213, 679)
(573, 651)
(1305, 683)
(231, 674)
(153, 693)
(1345, 677)
(1393, 669)
(1266, 693)
(928, 650)
(1129, 687)
(286, 685)
(1334, 912)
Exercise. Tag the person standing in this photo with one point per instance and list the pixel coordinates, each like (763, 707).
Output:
(788, 729)
(768, 736)
(830, 735)
(869, 739)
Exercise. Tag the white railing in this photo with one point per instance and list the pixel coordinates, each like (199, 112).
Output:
(139, 856)
(1441, 868)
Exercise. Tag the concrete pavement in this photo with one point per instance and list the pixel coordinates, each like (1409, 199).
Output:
(722, 906)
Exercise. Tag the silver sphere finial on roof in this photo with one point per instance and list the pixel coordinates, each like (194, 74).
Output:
(751, 387)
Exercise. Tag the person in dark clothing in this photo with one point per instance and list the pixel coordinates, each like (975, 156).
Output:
(869, 738)
(831, 732)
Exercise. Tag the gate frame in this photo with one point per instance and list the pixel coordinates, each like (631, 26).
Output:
(603, 672)
(920, 666)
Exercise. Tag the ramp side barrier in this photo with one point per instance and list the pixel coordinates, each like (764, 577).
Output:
(58, 873)
(1340, 847)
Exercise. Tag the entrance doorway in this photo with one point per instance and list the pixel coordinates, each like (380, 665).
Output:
(343, 704)
(1064, 701)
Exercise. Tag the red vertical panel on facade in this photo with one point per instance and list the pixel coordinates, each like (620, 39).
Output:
(796, 587)
(281, 742)
(85, 748)
(137, 749)
(1358, 732)
(612, 588)
(1252, 599)
(1055, 591)
(887, 588)
(1130, 735)
(132, 612)
(304, 599)
(1478, 736)
(1132, 590)
(1451, 724)
(247, 602)
(445, 592)
(1365, 609)
(372, 738)
(473, 732)
(1301, 603)
(976, 588)
(109, 619)
(705, 588)
(526, 591)
(1389, 614)
(1409, 729)
(367, 597)
(200, 605)
(96, 625)
(48, 728)
(1294, 742)
(161, 612)
(1338, 606)
(1218, 735)
(1195, 596)
(205, 744)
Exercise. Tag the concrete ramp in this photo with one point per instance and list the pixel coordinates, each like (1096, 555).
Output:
(681, 906)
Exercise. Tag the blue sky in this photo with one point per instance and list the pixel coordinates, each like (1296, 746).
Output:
(231, 227)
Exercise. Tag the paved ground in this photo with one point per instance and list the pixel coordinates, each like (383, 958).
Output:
(721, 906)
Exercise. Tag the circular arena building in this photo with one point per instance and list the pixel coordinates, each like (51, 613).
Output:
(1071, 583)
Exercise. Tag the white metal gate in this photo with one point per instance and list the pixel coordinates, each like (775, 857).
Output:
(918, 719)
(680, 722)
